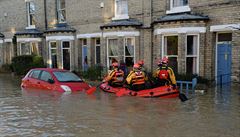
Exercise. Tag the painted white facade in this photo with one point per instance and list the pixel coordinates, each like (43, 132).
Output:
(89, 35)
(122, 34)
(29, 39)
(227, 27)
(54, 38)
(180, 30)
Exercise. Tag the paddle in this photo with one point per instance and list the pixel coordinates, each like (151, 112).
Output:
(182, 97)
(93, 89)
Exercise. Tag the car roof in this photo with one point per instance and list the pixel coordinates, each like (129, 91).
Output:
(49, 69)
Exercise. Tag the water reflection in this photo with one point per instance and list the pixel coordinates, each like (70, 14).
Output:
(44, 113)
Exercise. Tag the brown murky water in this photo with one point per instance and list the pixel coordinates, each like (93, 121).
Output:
(24, 113)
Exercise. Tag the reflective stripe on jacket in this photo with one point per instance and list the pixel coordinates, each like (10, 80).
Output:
(115, 76)
(136, 78)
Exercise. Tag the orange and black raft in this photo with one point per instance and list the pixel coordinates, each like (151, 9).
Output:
(162, 91)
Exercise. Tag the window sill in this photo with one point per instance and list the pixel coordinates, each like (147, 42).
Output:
(31, 27)
(178, 10)
(120, 17)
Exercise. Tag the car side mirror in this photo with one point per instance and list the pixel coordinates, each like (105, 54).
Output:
(51, 81)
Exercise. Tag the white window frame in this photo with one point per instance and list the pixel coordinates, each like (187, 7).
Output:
(163, 45)
(62, 52)
(50, 52)
(59, 9)
(197, 56)
(134, 44)
(179, 9)
(122, 16)
(30, 26)
(108, 65)
(97, 45)
(83, 45)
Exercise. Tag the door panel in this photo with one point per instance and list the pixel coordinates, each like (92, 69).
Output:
(224, 60)
(43, 82)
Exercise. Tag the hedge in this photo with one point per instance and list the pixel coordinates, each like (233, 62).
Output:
(22, 64)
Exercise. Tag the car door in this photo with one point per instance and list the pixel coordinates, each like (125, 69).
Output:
(43, 82)
(30, 80)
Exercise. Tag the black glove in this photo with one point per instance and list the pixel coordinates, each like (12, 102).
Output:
(174, 86)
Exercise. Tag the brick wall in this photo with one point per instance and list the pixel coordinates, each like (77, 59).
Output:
(86, 16)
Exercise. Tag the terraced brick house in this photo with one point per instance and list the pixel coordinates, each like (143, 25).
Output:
(199, 37)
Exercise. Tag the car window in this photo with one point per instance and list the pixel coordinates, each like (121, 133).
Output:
(45, 76)
(35, 74)
(65, 76)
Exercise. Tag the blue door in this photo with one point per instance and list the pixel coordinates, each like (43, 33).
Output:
(224, 61)
(85, 58)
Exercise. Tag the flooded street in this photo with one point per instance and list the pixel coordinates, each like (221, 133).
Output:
(23, 113)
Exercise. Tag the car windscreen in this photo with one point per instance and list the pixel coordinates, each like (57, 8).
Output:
(65, 76)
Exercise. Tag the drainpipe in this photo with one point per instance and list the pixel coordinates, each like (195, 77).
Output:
(45, 14)
(152, 36)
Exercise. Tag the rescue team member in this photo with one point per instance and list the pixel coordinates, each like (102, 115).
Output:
(136, 78)
(115, 77)
(141, 64)
(148, 83)
(164, 75)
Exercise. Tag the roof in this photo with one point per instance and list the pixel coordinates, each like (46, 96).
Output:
(124, 22)
(62, 27)
(181, 17)
(29, 32)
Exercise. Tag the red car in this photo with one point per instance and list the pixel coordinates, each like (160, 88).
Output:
(53, 79)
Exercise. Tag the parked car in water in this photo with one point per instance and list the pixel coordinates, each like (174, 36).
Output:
(53, 79)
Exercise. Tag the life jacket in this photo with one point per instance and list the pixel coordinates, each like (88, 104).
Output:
(138, 78)
(163, 73)
(118, 77)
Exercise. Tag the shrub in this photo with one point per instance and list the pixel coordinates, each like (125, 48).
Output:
(93, 73)
(22, 64)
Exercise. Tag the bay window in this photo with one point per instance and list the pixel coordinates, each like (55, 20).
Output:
(170, 49)
(97, 51)
(112, 51)
(53, 54)
(25, 49)
(129, 51)
(192, 54)
(29, 48)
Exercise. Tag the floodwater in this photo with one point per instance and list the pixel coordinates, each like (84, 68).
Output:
(215, 113)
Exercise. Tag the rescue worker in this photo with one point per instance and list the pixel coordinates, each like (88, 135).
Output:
(164, 75)
(115, 77)
(136, 78)
(141, 64)
(150, 82)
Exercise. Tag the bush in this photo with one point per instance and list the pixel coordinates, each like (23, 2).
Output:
(93, 73)
(22, 64)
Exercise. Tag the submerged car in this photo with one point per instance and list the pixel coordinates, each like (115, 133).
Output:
(53, 79)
